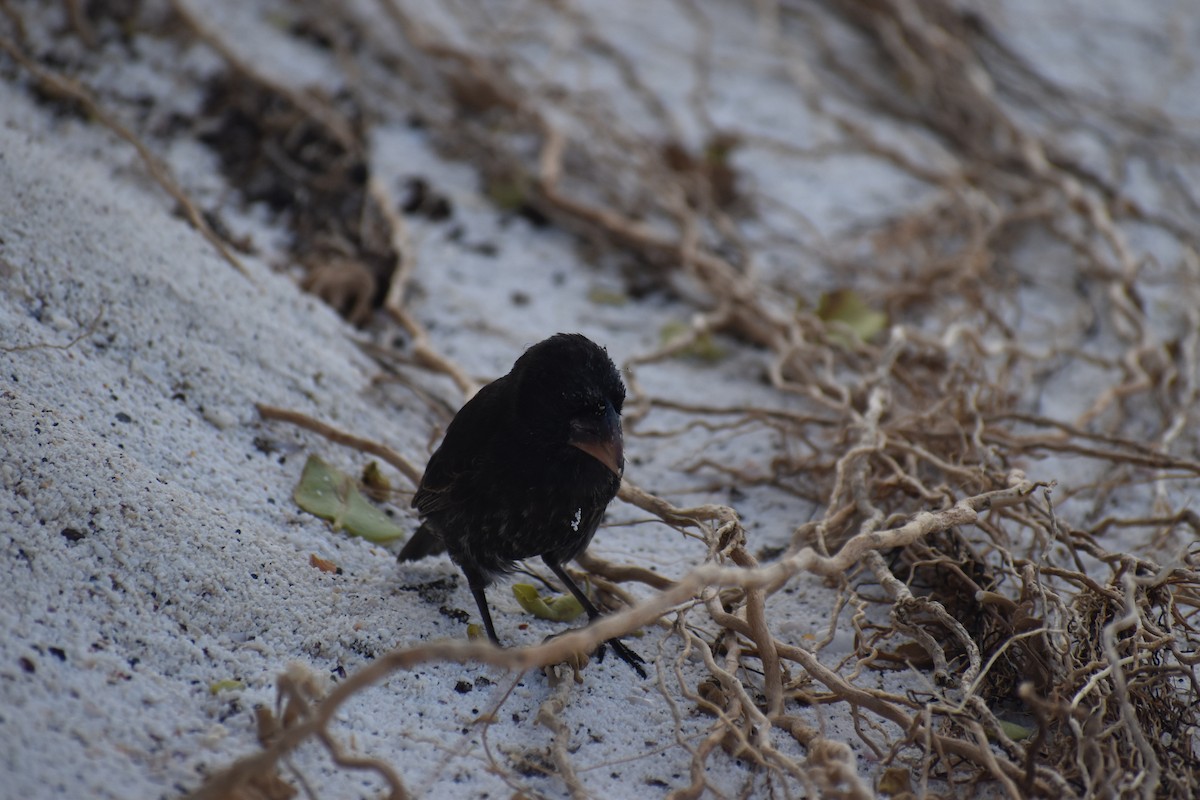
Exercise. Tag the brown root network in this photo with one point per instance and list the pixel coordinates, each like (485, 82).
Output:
(1049, 665)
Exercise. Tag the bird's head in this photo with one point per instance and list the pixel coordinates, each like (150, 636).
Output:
(571, 392)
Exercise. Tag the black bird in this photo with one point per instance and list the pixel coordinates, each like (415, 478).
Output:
(526, 469)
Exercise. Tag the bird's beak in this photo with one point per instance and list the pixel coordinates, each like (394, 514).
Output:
(602, 440)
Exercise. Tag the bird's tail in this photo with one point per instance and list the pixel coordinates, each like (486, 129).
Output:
(425, 542)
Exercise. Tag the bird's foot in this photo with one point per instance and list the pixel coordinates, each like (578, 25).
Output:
(625, 653)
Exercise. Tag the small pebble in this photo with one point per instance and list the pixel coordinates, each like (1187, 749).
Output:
(220, 418)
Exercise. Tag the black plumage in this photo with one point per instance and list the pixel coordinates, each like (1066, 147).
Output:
(526, 469)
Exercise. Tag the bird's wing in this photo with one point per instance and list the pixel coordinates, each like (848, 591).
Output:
(469, 437)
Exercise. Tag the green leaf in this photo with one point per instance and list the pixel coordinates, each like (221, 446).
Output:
(558, 608)
(606, 297)
(1014, 731)
(333, 495)
(704, 348)
(225, 686)
(847, 308)
(508, 194)
(672, 329)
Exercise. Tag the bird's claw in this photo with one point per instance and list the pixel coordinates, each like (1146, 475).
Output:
(625, 653)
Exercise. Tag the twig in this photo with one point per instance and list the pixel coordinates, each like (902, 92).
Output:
(342, 437)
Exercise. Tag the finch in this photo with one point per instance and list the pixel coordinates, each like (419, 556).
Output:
(527, 468)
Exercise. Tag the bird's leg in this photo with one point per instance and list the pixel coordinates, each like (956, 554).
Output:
(620, 648)
(477, 584)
